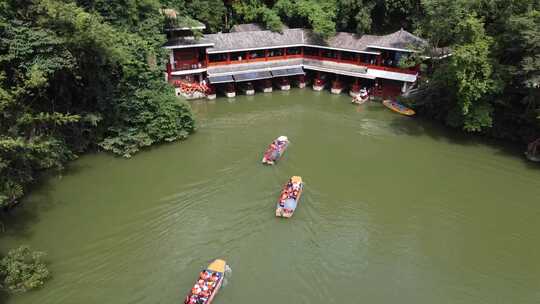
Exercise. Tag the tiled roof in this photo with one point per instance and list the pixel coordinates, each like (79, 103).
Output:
(341, 40)
(398, 40)
(249, 27)
(183, 42)
(250, 36)
(254, 39)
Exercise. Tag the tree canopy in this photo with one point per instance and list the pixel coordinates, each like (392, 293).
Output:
(78, 75)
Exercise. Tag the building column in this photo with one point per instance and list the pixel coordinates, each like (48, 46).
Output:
(169, 72)
(267, 86)
(301, 81)
(171, 59)
(230, 91)
(404, 87)
(318, 84)
(336, 86)
(228, 58)
(284, 84)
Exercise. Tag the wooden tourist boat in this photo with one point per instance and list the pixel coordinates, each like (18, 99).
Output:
(208, 284)
(360, 98)
(399, 108)
(275, 150)
(289, 197)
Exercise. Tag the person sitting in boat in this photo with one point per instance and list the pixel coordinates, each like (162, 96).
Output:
(363, 94)
(205, 294)
(196, 290)
(202, 300)
(214, 277)
(283, 198)
(204, 275)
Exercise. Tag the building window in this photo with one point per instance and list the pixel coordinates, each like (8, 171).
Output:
(238, 56)
(330, 54)
(256, 54)
(369, 59)
(348, 56)
(275, 52)
(294, 51)
(309, 51)
(220, 57)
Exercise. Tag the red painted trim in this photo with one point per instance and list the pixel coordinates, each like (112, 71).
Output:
(356, 61)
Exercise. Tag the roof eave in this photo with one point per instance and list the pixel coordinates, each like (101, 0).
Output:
(188, 46)
(391, 48)
(186, 28)
(291, 45)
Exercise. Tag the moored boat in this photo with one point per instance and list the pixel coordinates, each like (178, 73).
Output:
(275, 150)
(399, 108)
(361, 98)
(289, 197)
(208, 284)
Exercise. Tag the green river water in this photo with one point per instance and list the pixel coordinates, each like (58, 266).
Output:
(395, 210)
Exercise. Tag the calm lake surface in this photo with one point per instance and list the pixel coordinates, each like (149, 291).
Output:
(395, 210)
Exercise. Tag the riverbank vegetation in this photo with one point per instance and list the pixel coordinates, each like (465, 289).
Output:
(489, 85)
(88, 74)
(77, 76)
(22, 269)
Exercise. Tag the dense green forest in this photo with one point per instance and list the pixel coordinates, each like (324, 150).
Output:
(88, 74)
(490, 84)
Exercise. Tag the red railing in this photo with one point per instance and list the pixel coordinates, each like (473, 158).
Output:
(181, 66)
(412, 71)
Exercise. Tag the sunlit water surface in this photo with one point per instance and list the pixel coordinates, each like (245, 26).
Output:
(395, 210)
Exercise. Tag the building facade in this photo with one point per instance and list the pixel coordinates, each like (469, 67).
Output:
(249, 57)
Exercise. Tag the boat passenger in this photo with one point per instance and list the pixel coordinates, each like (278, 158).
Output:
(204, 275)
(205, 294)
(202, 300)
(214, 277)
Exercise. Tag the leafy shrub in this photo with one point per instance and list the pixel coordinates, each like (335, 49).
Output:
(22, 270)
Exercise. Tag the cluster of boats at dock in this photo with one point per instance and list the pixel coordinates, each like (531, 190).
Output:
(391, 104)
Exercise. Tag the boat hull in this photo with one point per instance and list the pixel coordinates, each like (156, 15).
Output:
(398, 108)
(290, 205)
(272, 160)
(217, 266)
(359, 100)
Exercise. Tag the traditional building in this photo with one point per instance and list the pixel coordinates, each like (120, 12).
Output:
(249, 57)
